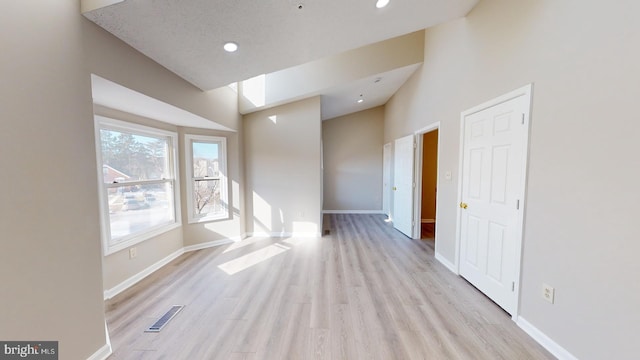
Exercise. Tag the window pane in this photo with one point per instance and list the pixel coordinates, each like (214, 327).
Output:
(205, 159)
(206, 198)
(135, 209)
(132, 157)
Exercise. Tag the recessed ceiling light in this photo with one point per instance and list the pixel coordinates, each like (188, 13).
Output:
(382, 3)
(230, 46)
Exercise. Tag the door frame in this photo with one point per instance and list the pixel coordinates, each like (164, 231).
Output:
(527, 92)
(417, 194)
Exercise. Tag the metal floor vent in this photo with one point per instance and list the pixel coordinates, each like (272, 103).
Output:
(158, 325)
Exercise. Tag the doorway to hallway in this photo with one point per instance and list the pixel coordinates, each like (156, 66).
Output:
(429, 185)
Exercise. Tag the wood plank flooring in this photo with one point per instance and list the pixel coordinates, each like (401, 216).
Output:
(364, 292)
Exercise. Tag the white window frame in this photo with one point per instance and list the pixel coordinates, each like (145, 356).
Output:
(110, 247)
(190, 178)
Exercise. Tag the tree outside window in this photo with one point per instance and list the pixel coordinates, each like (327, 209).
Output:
(206, 164)
(138, 197)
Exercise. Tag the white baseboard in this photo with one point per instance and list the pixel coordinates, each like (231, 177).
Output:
(103, 353)
(110, 293)
(554, 348)
(447, 263)
(212, 244)
(353, 212)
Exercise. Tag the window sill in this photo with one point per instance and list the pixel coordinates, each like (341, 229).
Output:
(209, 219)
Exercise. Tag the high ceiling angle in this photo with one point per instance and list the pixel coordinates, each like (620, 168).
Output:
(214, 43)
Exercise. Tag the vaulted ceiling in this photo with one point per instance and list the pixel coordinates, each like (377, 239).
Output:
(187, 36)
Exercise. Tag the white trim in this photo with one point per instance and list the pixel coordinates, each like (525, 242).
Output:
(554, 348)
(211, 244)
(527, 92)
(103, 353)
(110, 293)
(449, 265)
(108, 248)
(387, 149)
(353, 212)
(224, 180)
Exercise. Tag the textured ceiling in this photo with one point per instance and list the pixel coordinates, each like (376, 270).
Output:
(186, 36)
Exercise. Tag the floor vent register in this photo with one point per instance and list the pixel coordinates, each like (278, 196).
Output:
(158, 325)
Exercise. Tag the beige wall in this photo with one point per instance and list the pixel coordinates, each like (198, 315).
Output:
(116, 61)
(118, 267)
(312, 78)
(51, 259)
(583, 167)
(50, 262)
(429, 174)
(282, 169)
(352, 146)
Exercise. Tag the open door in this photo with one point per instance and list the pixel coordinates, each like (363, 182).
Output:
(386, 179)
(403, 185)
(427, 180)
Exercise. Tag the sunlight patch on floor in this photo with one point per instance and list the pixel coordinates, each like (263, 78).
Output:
(246, 261)
(240, 244)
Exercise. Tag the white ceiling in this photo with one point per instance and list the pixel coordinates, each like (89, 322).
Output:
(186, 36)
(376, 90)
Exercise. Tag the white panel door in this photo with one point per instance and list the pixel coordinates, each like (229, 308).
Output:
(494, 150)
(403, 165)
(386, 179)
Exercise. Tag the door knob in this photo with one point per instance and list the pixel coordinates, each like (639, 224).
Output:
(395, 188)
(463, 205)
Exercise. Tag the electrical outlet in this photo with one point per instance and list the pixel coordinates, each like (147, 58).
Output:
(133, 252)
(548, 293)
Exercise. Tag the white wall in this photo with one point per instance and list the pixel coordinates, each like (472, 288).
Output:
(352, 146)
(50, 262)
(282, 169)
(583, 170)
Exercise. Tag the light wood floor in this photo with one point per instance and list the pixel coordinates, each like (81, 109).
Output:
(364, 292)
